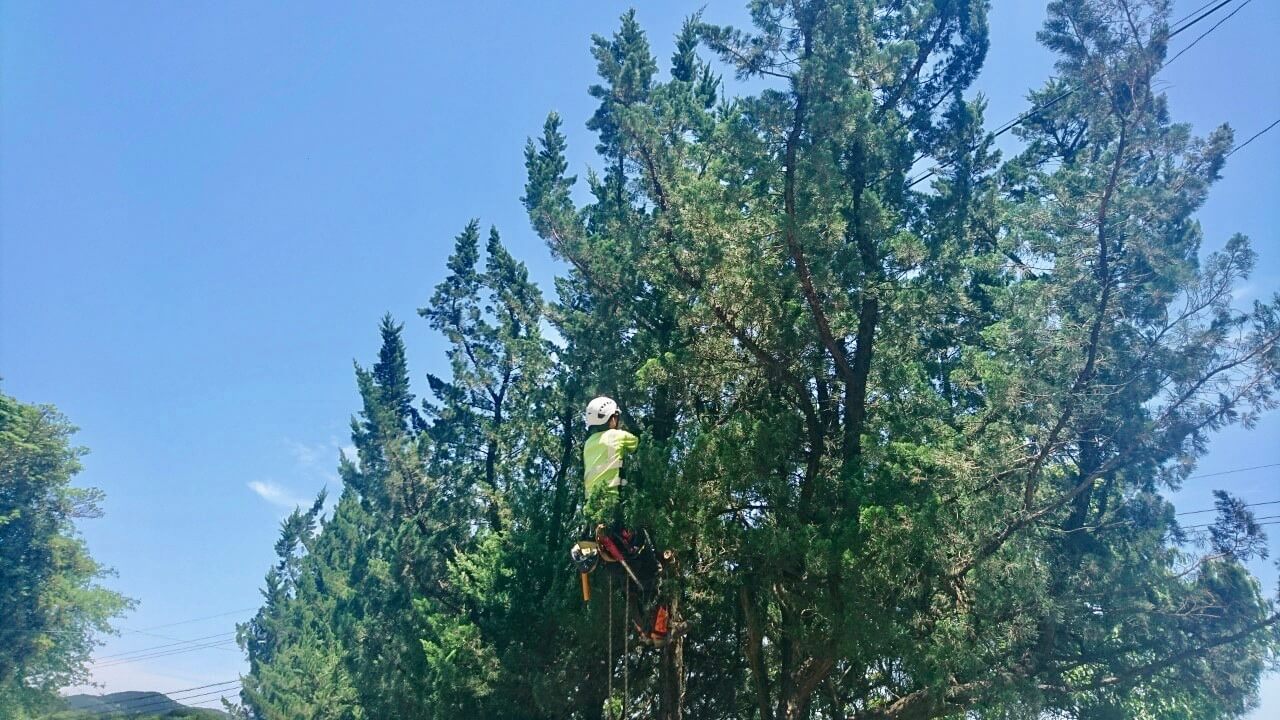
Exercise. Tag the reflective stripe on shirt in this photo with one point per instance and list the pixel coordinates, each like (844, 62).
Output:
(599, 469)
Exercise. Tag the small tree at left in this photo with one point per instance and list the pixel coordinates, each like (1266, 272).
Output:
(50, 599)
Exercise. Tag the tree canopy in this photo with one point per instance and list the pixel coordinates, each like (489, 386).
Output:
(910, 441)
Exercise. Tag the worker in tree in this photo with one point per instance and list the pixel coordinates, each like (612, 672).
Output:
(604, 477)
(603, 456)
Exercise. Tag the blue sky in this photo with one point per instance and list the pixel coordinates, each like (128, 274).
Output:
(205, 207)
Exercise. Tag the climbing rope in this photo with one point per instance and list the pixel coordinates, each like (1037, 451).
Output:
(626, 637)
(610, 661)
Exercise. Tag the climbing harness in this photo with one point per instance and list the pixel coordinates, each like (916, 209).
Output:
(616, 554)
(631, 556)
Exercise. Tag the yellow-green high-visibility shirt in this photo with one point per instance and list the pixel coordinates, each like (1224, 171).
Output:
(602, 463)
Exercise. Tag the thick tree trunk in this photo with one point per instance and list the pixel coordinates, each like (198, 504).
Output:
(672, 677)
(805, 681)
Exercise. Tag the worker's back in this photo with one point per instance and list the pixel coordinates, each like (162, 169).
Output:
(602, 458)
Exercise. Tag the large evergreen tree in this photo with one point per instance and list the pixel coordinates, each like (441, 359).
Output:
(909, 440)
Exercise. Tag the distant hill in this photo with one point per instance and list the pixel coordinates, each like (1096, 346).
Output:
(132, 704)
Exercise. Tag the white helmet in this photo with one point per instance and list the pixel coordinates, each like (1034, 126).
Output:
(600, 410)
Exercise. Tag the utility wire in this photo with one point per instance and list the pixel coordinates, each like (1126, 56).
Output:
(151, 703)
(184, 692)
(1215, 9)
(161, 647)
(219, 645)
(173, 694)
(1206, 32)
(143, 631)
(1178, 22)
(1261, 524)
(1199, 512)
(1256, 135)
(194, 620)
(202, 687)
(143, 704)
(1027, 115)
(124, 661)
(156, 702)
(1274, 518)
(1230, 472)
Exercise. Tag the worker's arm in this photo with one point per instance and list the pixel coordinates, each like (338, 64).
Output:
(627, 443)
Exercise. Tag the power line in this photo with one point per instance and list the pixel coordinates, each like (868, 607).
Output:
(160, 647)
(1230, 472)
(201, 687)
(1206, 32)
(1036, 110)
(1006, 127)
(1215, 9)
(194, 620)
(219, 645)
(1274, 518)
(143, 631)
(124, 661)
(186, 691)
(171, 694)
(165, 699)
(151, 703)
(1201, 527)
(1256, 135)
(159, 699)
(1199, 512)
(1177, 22)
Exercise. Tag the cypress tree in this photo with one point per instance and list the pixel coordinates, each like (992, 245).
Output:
(910, 441)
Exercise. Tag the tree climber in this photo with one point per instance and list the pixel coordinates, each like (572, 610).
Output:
(604, 477)
(603, 458)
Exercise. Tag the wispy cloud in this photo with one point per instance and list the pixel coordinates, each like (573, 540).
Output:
(312, 455)
(320, 458)
(315, 465)
(276, 495)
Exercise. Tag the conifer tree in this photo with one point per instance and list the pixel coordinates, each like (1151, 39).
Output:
(870, 485)
(910, 441)
(295, 661)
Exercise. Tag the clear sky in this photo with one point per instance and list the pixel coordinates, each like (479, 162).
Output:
(205, 207)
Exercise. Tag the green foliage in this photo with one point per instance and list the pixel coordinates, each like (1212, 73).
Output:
(49, 597)
(909, 442)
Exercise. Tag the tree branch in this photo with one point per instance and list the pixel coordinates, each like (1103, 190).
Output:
(1103, 274)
